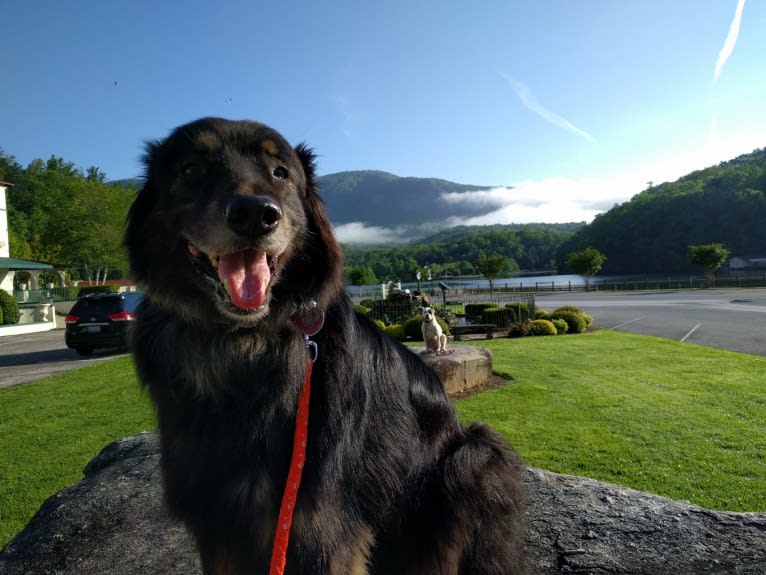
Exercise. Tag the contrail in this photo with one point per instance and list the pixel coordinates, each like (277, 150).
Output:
(731, 40)
(529, 102)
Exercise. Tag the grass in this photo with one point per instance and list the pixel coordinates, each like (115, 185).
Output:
(679, 420)
(52, 428)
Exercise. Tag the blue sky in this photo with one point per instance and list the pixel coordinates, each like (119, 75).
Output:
(575, 104)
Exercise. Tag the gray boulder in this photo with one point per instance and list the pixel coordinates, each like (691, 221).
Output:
(114, 522)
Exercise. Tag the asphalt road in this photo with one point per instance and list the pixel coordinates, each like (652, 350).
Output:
(36, 355)
(728, 319)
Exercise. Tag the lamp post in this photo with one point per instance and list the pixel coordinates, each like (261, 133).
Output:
(430, 279)
(417, 276)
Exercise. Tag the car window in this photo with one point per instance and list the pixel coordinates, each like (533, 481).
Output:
(132, 300)
(98, 305)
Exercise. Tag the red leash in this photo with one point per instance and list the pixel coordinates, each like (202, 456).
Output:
(290, 495)
(309, 320)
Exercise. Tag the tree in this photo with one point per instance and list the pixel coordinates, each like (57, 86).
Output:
(361, 275)
(586, 263)
(710, 257)
(490, 267)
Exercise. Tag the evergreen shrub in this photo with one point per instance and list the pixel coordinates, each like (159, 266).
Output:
(10, 308)
(561, 326)
(576, 323)
(542, 327)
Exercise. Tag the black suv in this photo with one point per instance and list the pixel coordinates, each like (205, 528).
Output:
(101, 320)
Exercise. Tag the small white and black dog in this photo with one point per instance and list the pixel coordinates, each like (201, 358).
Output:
(434, 338)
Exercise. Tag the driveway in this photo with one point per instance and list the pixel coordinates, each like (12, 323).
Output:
(36, 355)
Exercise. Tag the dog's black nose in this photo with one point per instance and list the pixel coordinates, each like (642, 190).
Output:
(252, 215)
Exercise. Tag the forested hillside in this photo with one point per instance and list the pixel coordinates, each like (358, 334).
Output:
(60, 215)
(651, 233)
(457, 250)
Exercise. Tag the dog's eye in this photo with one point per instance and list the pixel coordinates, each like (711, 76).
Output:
(280, 172)
(190, 169)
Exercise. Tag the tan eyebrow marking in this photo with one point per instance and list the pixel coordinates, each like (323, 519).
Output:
(207, 142)
(270, 147)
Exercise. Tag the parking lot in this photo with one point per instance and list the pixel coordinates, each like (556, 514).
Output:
(728, 319)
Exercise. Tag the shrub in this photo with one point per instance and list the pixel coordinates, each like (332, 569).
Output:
(97, 289)
(9, 307)
(542, 327)
(520, 311)
(379, 323)
(540, 313)
(576, 323)
(1, 316)
(519, 329)
(473, 310)
(414, 331)
(498, 317)
(394, 331)
(362, 309)
(561, 326)
(588, 319)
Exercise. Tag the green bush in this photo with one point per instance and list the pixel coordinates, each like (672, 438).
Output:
(362, 309)
(588, 319)
(540, 313)
(1, 316)
(97, 289)
(519, 329)
(414, 331)
(576, 323)
(499, 317)
(542, 327)
(561, 326)
(473, 310)
(394, 331)
(520, 311)
(9, 307)
(380, 324)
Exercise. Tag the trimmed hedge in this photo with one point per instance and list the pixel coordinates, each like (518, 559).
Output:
(576, 323)
(473, 310)
(9, 308)
(561, 326)
(394, 331)
(542, 327)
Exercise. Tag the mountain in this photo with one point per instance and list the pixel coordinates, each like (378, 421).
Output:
(385, 200)
(652, 232)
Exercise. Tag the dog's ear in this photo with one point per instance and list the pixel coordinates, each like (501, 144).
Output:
(137, 229)
(321, 265)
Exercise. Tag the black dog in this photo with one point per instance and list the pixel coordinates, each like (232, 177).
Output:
(239, 263)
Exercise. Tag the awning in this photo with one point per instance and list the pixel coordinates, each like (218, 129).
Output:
(16, 264)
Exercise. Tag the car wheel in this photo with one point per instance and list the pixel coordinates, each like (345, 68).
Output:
(82, 350)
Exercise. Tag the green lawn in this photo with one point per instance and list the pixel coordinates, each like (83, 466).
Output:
(676, 419)
(679, 420)
(50, 429)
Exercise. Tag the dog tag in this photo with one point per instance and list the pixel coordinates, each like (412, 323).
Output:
(309, 319)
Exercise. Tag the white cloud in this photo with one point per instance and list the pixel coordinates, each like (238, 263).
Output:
(361, 233)
(730, 42)
(530, 102)
(553, 200)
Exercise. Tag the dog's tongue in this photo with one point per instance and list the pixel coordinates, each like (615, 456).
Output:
(246, 276)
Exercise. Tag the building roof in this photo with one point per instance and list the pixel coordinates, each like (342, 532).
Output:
(17, 264)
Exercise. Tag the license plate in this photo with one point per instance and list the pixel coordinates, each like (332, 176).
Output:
(94, 329)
